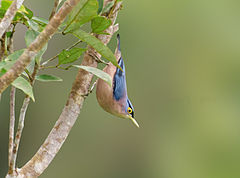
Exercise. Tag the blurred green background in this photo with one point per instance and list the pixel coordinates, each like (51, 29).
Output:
(183, 75)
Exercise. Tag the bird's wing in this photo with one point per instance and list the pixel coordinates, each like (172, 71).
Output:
(119, 82)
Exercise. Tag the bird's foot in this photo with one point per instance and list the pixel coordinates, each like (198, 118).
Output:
(90, 90)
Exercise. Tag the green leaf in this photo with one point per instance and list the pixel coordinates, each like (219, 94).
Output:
(23, 85)
(81, 14)
(14, 56)
(48, 78)
(37, 23)
(99, 24)
(2, 64)
(66, 57)
(100, 2)
(28, 13)
(33, 25)
(97, 45)
(30, 36)
(2, 71)
(107, 8)
(99, 73)
(6, 64)
(10, 60)
(5, 4)
(40, 20)
(9, 34)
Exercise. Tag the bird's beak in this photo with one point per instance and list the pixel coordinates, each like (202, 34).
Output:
(134, 121)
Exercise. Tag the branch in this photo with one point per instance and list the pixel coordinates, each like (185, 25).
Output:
(36, 45)
(71, 110)
(12, 111)
(7, 19)
(11, 128)
(19, 133)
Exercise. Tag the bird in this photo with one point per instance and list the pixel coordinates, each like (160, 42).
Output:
(114, 99)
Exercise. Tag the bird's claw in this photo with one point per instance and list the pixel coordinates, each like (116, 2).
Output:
(90, 90)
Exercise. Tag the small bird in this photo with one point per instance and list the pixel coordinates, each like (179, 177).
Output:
(115, 99)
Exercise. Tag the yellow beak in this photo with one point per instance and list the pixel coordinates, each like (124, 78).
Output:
(134, 121)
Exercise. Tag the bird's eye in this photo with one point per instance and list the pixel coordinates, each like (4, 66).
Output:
(129, 110)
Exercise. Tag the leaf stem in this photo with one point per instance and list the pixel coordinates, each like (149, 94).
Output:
(57, 67)
(75, 44)
(28, 74)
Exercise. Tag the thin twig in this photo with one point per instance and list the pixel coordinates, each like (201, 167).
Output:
(19, 131)
(10, 39)
(9, 15)
(49, 60)
(54, 57)
(36, 45)
(56, 2)
(75, 44)
(35, 71)
(11, 128)
(55, 67)
(12, 112)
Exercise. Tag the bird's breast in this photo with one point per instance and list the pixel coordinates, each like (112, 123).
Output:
(104, 94)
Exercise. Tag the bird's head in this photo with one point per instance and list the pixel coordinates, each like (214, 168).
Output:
(129, 112)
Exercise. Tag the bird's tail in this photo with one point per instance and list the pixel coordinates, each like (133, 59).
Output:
(118, 42)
